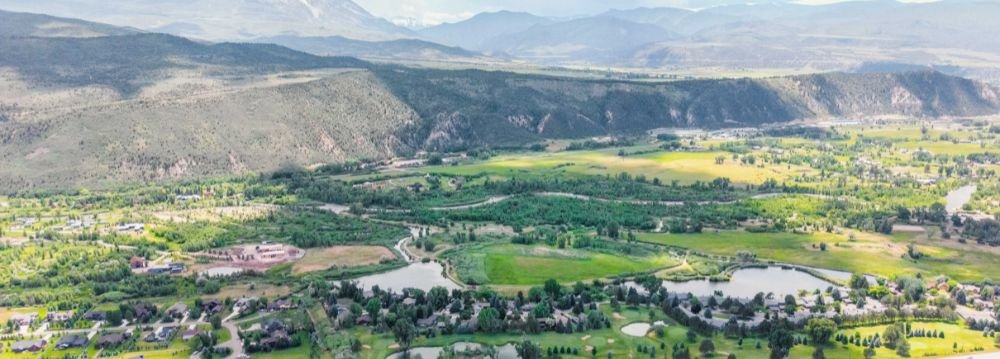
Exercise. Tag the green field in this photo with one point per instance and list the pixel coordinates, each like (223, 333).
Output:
(685, 167)
(510, 264)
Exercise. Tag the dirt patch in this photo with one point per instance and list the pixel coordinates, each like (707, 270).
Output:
(908, 228)
(9, 241)
(617, 316)
(255, 257)
(251, 290)
(585, 338)
(345, 256)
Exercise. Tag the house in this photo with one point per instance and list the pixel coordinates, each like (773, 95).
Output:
(137, 262)
(96, 316)
(24, 319)
(177, 310)
(427, 322)
(137, 227)
(188, 197)
(176, 268)
(190, 334)
(273, 325)
(28, 346)
(59, 316)
(211, 307)
(144, 312)
(409, 301)
(363, 319)
(111, 340)
(281, 304)
(72, 341)
(276, 340)
(161, 334)
(244, 303)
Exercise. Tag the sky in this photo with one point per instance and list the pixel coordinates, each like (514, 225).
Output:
(432, 12)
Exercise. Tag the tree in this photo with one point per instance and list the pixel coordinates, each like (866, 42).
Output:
(489, 320)
(373, 307)
(903, 349)
(528, 350)
(731, 356)
(858, 281)
(435, 160)
(869, 352)
(405, 332)
(818, 353)
(553, 288)
(216, 322)
(781, 342)
(438, 297)
(894, 335)
(707, 347)
(820, 330)
(681, 353)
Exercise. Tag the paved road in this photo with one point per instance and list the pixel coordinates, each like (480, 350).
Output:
(976, 356)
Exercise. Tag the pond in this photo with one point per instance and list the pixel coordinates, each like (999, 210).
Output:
(422, 276)
(747, 282)
(958, 198)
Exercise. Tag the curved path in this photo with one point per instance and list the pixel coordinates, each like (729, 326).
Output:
(498, 199)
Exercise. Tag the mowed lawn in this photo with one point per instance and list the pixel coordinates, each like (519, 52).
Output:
(532, 265)
(684, 167)
(612, 341)
(966, 339)
(868, 253)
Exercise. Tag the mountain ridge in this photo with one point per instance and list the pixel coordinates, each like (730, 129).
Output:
(153, 107)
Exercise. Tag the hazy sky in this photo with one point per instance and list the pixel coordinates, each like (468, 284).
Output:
(437, 11)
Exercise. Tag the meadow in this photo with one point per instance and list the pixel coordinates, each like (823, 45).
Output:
(683, 167)
(519, 265)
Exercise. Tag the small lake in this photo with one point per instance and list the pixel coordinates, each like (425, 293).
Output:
(422, 276)
(958, 198)
(747, 282)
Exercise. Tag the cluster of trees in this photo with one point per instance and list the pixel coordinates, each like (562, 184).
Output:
(304, 228)
(984, 231)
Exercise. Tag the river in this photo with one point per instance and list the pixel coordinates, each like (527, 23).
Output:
(958, 198)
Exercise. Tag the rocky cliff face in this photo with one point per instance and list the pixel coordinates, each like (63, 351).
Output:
(472, 108)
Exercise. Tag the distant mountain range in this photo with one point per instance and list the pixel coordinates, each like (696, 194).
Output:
(112, 105)
(226, 20)
(728, 35)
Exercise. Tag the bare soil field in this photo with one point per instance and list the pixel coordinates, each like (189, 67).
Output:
(346, 256)
(251, 290)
